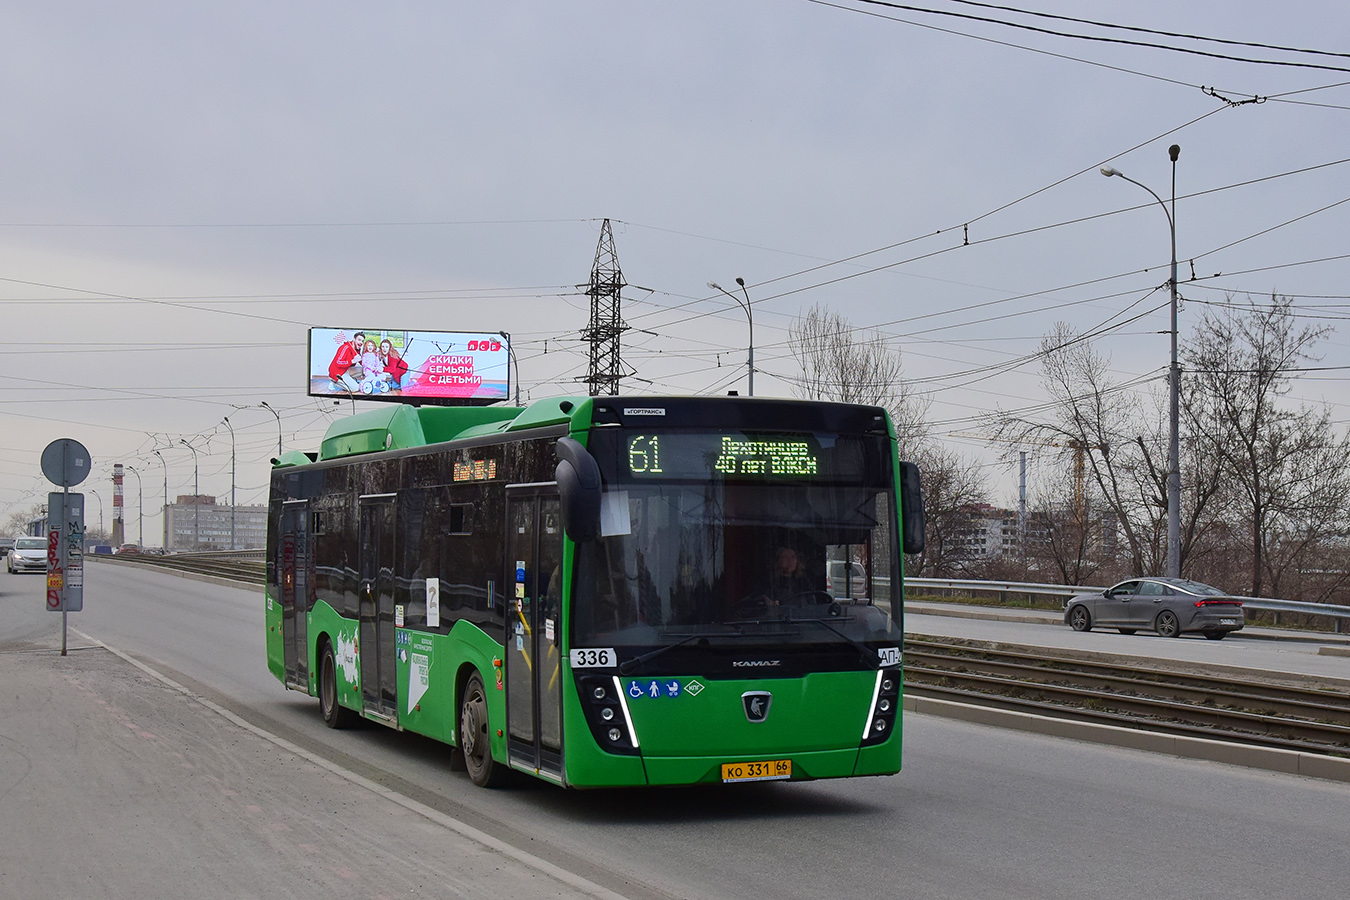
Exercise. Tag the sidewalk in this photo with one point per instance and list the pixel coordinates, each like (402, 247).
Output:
(118, 784)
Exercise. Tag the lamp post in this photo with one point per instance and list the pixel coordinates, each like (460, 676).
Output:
(231, 427)
(140, 509)
(196, 499)
(750, 319)
(515, 360)
(100, 509)
(1173, 377)
(278, 415)
(165, 511)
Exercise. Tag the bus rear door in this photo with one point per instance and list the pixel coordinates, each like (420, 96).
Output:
(534, 629)
(294, 582)
(379, 686)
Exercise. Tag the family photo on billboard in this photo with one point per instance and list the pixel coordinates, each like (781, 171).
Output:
(393, 365)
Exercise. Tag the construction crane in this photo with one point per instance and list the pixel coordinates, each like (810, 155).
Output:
(1080, 450)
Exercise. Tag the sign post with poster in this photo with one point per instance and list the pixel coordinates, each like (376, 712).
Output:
(65, 462)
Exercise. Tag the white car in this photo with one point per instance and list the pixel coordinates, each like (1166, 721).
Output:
(845, 579)
(29, 554)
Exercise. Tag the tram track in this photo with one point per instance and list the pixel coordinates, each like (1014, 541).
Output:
(1307, 716)
(242, 567)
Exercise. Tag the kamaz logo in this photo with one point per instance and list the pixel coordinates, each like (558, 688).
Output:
(747, 663)
(756, 705)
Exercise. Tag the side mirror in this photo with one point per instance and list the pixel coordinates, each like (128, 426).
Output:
(579, 490)
(911, 509)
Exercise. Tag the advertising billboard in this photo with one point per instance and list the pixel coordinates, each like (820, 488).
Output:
(448, 367)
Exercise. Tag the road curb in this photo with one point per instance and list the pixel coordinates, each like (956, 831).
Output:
(982, 612)
(1271, 759)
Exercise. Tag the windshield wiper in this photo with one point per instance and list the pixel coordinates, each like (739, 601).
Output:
(868, 652)
(628, 665)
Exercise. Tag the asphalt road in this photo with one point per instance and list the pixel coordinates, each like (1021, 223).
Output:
(977, 812)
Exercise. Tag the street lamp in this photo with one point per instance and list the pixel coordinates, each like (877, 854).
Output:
(278, 415)
(100, 510)
(165, 511)
(750, 359)
(515, 360)
(140, 509)
(196, 499)
(231, 427)
(1173, 377)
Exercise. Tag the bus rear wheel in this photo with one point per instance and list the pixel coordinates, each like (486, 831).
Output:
(335, 715)
(475, 741)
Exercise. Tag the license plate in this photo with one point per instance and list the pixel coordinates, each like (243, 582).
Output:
(769, 770)
(1228, 621)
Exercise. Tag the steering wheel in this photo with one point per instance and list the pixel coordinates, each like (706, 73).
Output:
(809, 598)
(752, 606)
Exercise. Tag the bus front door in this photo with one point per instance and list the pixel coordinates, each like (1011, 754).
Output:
(294, 581)
(534, 629)
(379, 689)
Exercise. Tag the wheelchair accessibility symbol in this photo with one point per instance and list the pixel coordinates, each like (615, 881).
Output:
(653, 690)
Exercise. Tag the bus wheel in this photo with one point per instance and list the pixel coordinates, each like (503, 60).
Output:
(335, 715)
(474, 739)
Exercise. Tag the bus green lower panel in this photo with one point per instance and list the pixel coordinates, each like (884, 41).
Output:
(588, 766)
(701, 770)
(883, 759)
(276, 649)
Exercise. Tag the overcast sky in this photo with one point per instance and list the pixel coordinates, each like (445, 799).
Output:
(187, 187)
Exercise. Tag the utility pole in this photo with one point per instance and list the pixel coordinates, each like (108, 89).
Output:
(606, 327)
(232, 500)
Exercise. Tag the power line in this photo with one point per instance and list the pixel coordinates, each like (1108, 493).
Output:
(1095, 38)
(1139, 30)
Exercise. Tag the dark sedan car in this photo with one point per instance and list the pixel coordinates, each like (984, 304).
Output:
(1169, 606)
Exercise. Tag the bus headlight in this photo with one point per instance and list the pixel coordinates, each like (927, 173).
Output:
(603, 707)
(885, 705)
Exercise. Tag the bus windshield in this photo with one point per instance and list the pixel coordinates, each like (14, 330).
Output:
(782, 540)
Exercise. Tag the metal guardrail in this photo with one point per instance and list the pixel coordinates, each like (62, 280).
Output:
(1268, 604)
(999, 587)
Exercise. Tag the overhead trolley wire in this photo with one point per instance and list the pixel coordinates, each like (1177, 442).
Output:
(1140, 30)
(890, 4)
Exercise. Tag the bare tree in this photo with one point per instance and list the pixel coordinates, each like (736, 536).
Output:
(952, 489)
(1070, 540)
(840, 364)
(1288, 469)
(19, 520)
(1098, 430)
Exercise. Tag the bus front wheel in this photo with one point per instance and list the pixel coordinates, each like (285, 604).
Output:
(475, 741)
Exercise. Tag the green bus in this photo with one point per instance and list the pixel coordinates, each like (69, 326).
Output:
(603, 591)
